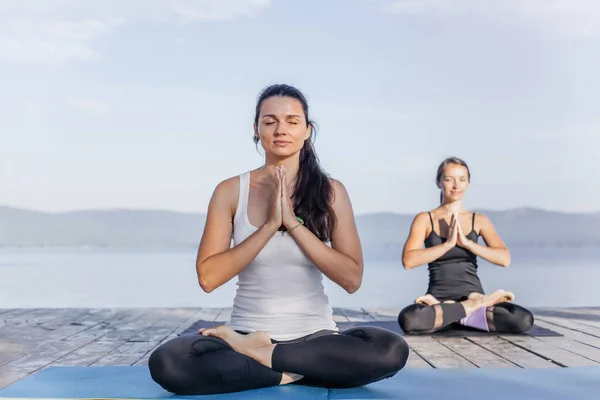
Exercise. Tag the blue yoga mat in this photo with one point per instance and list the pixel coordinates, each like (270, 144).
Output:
(124, 382)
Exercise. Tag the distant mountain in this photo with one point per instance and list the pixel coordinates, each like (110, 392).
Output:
(386, 233)
(99, 228)
(380, 233)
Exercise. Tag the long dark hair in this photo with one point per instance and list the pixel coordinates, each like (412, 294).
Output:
(313, 190)
(440, 172)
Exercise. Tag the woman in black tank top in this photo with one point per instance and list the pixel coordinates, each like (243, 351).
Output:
(455, 295)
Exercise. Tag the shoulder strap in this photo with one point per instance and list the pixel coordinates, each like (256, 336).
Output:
(473, 221)
(243, 194)
(431, 219)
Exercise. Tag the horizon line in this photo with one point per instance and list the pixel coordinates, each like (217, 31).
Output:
(82, 210)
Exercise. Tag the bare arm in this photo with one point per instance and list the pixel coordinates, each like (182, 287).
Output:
(343, 261)
(414, 254)
(216, 262)
(495, 250)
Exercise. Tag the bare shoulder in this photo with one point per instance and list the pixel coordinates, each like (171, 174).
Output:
(482, 218)
(226, 192)
(338, 192)
(422, 217)
(482, 221)
(228, 186)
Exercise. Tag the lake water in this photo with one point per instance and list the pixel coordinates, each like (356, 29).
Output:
(556, 277)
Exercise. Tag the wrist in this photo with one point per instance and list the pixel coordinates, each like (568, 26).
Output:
(290, 222)
(271, 227)
(293, 223)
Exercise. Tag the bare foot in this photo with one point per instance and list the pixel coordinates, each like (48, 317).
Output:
(245, 344)
(473, 303)
(499, 296)
(427, 299)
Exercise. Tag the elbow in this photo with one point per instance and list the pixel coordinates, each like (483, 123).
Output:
(206, 285)
(407, 264)
(355, 283)
(203, 280)
(353, 287)
(506, 260)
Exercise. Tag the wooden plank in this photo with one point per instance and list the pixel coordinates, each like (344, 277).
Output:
(43, 356)
(52, 349)
(571, 324)
(436, 354)
(88, 354)
(132, 352)
(13, 352)
(581, 337)
(514, 354)
(225, 314)
(135, 327)
(9, 376)
(16, 316)
(166, 321)
(478, 355)
(338, 315)
(415, 361)
(560, 356)
(106, 326)
(205, 314)
(587, 317)
(383, 314)
(356, 314)
(573, 346)
(126, 354)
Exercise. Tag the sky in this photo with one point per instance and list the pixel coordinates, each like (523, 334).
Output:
(149, 103)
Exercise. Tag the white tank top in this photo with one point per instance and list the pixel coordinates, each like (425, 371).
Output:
(281, 291)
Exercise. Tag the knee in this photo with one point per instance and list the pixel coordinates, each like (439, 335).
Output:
(389, 352)
(395, 354)
(512, 318)
(165, 371)
(523, 321)
(411, 320)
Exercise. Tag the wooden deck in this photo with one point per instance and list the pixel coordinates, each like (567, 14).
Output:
(33, 339)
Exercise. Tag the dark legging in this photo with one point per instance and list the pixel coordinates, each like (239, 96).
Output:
(196, 364)
(501, 318)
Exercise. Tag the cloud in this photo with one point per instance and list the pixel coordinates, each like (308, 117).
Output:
(93, 106)
(58, 31)
(579, 18)
(30, 40)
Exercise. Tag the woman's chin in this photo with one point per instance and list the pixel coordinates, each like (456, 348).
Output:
(282, 152)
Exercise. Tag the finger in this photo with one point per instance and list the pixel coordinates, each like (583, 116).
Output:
(280, 186)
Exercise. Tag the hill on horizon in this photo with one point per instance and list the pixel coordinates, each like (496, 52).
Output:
(169, 229)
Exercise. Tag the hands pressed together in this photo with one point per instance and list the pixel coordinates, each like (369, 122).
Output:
(456, 236)
(281, 211)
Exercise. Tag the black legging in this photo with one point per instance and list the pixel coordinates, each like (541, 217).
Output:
(502, 318)
(196, 364)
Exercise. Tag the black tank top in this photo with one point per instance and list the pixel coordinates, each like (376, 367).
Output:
(454, 275)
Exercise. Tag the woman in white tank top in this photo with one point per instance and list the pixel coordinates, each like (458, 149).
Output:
(291, 224)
